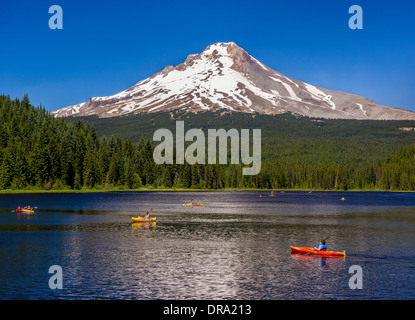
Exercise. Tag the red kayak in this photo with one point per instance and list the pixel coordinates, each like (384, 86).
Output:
(309, 251)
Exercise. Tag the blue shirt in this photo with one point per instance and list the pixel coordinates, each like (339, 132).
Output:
(322, 247)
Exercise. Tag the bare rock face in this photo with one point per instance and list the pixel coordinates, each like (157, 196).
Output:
(224, 76)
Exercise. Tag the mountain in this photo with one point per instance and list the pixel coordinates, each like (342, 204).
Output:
(224, 76)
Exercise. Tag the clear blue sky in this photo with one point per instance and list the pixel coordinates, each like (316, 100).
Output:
(108, 46)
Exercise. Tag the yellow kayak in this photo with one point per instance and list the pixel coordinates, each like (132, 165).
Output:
(25, 211)
(141, 219)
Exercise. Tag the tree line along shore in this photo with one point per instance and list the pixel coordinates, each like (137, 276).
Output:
(40, 152)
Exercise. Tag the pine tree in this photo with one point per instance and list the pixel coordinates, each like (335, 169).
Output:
(167, 177)
(89, 170)
(6, 169)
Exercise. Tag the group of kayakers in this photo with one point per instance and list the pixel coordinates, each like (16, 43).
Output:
(194, 204)
(20, 209)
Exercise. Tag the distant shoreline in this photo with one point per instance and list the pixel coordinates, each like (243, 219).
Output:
(120, 190)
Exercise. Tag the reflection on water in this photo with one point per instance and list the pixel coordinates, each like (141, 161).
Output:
(235, 247)
(144, 228)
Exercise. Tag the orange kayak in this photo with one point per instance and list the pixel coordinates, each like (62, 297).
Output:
(306, 250)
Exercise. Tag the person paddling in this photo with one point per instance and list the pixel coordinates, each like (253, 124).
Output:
(147, 216)
(322, 246)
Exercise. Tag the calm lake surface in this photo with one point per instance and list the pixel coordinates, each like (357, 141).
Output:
(235, 247)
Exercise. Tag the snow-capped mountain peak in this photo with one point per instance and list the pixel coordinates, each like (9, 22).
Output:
(225, 76)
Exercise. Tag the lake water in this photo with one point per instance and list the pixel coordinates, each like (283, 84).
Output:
(235, 247)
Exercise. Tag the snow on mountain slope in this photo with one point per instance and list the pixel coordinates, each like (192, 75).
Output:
(224, 76)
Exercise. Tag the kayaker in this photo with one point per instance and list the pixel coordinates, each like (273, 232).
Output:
(147, 216)
(322, 246)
